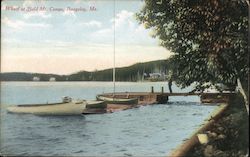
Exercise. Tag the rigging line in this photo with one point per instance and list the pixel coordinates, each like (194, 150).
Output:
(114, 54)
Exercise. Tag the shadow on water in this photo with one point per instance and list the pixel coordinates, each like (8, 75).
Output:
(182, 103)
(186, 103)
(64, 117)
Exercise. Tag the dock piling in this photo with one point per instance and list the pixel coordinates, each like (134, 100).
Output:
(162, 90)
(152, 89)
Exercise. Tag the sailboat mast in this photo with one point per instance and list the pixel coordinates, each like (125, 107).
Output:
(114, 55)
(114, 73)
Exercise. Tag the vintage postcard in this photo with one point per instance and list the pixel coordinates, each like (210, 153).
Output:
(124, 78)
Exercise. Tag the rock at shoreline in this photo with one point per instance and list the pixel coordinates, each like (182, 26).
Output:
(208, 151)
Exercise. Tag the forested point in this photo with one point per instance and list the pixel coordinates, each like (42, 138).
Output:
(136, 72)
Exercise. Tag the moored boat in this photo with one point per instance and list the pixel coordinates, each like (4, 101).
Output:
(95, 104)
(113, 100)
(67, 107)
(95, 107)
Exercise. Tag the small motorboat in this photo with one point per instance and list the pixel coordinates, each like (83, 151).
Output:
(66, 107)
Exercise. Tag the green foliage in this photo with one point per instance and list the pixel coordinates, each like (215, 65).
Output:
(208, 38)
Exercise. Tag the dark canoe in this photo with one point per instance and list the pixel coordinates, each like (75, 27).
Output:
(110, 100)
(96, 105)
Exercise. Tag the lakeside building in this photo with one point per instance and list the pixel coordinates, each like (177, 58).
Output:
(36, 78)
(52, 79)
(157, 76)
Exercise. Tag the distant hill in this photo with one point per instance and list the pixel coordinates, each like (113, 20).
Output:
(134, 72)
(21, 76)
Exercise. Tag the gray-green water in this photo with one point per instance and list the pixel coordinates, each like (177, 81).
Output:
(145, 131)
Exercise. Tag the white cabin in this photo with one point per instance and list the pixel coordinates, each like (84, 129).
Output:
(52, 79)
(36, 78)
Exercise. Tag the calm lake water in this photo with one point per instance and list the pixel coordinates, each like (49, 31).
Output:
(145, 131)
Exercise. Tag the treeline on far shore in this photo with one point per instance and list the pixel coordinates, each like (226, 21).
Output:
(136, 72)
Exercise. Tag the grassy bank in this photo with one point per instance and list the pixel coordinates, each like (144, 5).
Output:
(229, 136)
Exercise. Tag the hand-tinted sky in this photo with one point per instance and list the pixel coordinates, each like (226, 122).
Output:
(67, 41)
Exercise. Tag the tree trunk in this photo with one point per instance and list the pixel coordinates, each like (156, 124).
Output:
(243, 93)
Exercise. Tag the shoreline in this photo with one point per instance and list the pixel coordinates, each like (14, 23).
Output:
(228, 135)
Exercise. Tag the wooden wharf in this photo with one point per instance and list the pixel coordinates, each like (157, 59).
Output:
(159, 97)
(153, 98)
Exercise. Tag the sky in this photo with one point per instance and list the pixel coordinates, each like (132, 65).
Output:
(63, 37)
